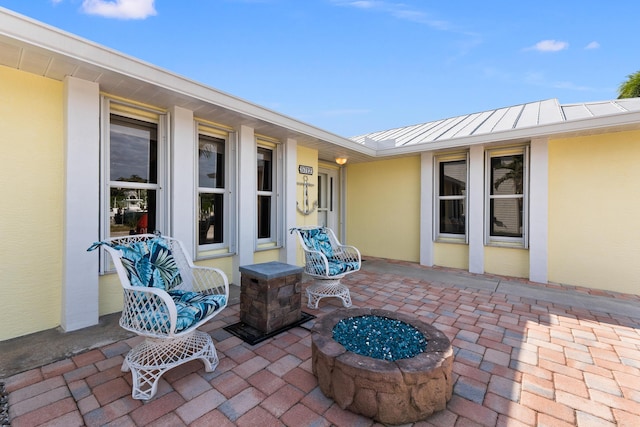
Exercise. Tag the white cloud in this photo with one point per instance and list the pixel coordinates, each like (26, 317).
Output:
(121, 9)
(549, 46)
(539, 79)
(361, 4)
(592, 45)
(397, 10)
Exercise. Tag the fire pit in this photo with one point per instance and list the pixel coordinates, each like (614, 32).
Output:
(408, 378)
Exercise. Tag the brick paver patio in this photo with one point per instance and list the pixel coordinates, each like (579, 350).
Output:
(518, 362)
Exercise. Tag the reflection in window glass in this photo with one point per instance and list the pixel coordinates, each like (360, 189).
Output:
(453, 178)
(452, 216)
(506, 217)
(264, 217)
(133, 172)
(132, 211)
(266, 203)
(507, 174)
(211, 162)
(133, 150)
(211, 189)
(211, 219)
(265, 165)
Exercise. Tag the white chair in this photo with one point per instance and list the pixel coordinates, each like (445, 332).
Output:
(327, 261)
(166, 298)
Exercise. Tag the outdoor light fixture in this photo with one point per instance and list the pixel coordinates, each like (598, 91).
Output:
(341, 160)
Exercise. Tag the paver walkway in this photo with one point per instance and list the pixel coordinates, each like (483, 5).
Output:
(519, 361)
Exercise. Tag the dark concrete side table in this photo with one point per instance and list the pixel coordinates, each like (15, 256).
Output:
(270, 295)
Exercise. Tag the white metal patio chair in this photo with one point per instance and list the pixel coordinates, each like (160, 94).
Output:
(327, 261)
(166, 298)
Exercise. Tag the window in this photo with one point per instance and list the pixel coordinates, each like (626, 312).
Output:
(266, 202)
(507, 181)
(133, 171)
(211, 189)
(451, 197)
(132, 176)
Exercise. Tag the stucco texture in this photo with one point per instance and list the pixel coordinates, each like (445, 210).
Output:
(383, 208)
(594, 201)
(31, 172)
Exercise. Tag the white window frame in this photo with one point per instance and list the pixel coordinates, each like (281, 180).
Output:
(517, 242)
(277, 183)
(161, 120)
(227, 246)
(437, 235)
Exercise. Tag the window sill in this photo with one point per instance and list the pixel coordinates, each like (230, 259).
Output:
(509, 245)
(267, 247)
(213, 253)
(454, 240)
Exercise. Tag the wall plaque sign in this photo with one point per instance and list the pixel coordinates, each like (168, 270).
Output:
(305, 170)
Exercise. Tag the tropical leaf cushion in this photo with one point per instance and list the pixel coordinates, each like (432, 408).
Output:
(150, 263)
(317, 239)
(192, 307)
(337, 267)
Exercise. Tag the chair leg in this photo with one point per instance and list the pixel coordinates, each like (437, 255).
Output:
(313, 300)
(149, 360)
(346, 298)
(327, 288)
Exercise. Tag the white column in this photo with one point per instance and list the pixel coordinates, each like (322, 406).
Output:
(247, 200)
(289, 252)
(538, 210)
(80, 293)
(426, 209)
(184, 156)
(475, 210)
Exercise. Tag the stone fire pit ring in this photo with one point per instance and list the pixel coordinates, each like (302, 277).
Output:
(391, 392)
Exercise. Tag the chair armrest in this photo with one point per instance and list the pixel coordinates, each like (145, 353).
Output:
(346, 253)
(316, 263)
(209, 280)
(148, 311)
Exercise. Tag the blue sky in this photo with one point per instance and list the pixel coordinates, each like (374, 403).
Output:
(354, 67)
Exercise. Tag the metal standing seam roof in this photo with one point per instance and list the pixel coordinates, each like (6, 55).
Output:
(521, 116)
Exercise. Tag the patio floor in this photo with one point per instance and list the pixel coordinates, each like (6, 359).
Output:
(526, 354)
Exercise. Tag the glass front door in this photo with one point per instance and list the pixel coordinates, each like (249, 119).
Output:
(328, 199)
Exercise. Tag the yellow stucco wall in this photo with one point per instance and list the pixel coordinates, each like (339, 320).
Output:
(224, 263)
(383, 208)
(594, 206)
(452, 255)
(506, 261)
(31, 194)
(266, 256)
(110, 294)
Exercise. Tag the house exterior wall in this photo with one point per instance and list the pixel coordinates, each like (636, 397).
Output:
(594, 200)
(451, 255)
(31, 172)
(383, 208)
(41, 128)
(506, 261)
